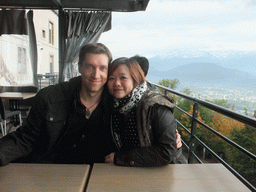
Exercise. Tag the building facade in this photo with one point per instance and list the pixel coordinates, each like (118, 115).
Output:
(15, 64)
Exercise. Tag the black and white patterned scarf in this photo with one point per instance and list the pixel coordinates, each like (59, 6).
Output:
(125, 131)
(125, 104)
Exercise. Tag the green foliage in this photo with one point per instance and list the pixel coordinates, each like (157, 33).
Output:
(241, 162)
(185, 105)
(206, 114)
(245, 111)
(244, 136)
(177, 98)
(169, 83)
(186, 91)
(222, 102)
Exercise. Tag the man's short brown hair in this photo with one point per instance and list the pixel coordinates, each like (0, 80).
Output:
(95, 48)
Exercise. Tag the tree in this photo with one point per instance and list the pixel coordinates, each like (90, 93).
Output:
(183, 104)
(225, 125)
(172, 84)
(206, 114)
(245, 111)
(186, 91)
(222, 102)
(187, 122)
(218, 122)
(239, 161)
(169, 83)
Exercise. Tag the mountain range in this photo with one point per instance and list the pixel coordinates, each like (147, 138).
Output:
(204, 73)
(243, 61)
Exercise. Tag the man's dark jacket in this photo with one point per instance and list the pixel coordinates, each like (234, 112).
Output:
(45, 125)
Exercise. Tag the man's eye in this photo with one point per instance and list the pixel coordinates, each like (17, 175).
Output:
(123, 78)
(110, 78)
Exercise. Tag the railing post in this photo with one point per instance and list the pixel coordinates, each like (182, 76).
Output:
(193, 133)
(62, 45)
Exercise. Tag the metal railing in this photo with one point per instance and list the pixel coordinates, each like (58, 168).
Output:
(193, 137)
(47, 79)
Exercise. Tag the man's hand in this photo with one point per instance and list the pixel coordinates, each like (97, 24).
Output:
(178, 140)
(110, 158)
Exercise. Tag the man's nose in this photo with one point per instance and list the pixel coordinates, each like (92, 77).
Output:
(96, 73)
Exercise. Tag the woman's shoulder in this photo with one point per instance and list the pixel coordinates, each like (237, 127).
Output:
(151, 98)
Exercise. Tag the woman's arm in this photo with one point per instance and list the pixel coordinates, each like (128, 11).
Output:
(163, 150)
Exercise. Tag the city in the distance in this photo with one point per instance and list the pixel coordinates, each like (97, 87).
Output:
(211, 79)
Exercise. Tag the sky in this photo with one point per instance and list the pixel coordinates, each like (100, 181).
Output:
(187, 28)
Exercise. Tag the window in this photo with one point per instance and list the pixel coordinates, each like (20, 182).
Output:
(22, 63)
(43, 33)
(51, 36)
(51, 64)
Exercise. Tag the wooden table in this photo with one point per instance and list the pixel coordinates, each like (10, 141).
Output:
(43, 177)
(174, 177)
(14, 98)
(16, 95)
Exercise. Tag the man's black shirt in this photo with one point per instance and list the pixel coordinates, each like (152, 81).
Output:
(85, 140)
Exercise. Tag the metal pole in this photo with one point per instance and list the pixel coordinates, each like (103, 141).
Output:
(61, 43)
(193, 134)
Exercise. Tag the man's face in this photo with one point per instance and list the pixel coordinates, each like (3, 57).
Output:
(94, 72)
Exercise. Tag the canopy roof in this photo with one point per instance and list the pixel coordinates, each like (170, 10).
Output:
(106, 5)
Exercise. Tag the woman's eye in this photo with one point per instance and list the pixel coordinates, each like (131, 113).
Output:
(123, 77)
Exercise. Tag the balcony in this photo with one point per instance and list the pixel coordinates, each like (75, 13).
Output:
(198, 146)
(47, 79)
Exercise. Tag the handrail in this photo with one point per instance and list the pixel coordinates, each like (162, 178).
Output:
(229, 113)
(232, 170)
(239, 117)
(47, 79)
(248, 153)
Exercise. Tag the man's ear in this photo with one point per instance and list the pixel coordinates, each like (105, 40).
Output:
(79, 68)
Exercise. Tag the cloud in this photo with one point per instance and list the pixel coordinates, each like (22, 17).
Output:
(189, 6)
(209, 25)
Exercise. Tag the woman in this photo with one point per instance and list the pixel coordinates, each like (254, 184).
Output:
(142, 122)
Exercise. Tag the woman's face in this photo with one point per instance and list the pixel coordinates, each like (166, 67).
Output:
(120, 83)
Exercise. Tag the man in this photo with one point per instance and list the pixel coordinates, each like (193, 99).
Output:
(69, 121)
(144, 64)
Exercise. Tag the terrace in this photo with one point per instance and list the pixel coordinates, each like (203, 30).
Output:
(193, 140)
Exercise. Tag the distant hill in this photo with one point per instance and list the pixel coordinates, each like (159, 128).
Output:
(243, 61)
(205, 73)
